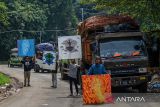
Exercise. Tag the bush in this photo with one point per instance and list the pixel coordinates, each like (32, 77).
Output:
(4, 79)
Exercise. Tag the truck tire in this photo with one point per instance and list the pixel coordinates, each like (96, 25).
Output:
(143, 88)
(8, 64)
(42, 70)
(36, 70)
(64, 76)
(11, 66)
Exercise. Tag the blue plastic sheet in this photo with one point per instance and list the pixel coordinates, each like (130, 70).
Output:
(26, 47)
(45, 47)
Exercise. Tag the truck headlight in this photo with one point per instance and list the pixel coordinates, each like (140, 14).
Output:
(142, 70)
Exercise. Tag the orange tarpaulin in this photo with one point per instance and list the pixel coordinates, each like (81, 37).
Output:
(96, 89)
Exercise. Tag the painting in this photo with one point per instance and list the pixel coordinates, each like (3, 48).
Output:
(49, 57)
(69, 47)
(96, 89)
(26, 47)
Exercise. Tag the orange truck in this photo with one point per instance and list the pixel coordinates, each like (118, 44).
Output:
(122, 47)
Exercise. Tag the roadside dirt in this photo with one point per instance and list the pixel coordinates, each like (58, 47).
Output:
(10, 89)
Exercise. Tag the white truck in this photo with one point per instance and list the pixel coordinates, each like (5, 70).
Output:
(45, 59)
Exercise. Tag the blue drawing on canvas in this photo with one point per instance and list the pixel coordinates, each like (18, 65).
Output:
(49, 58)
(26, 47)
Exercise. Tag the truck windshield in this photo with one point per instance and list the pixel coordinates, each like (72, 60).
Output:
(122, 48)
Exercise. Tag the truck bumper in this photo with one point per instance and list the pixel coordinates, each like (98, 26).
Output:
(16, 64)
(129, 81)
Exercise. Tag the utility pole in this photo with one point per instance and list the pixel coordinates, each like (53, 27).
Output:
(56, 34)
(40, 38)
(82, 15)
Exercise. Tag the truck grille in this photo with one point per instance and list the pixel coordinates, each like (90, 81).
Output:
(124, 71)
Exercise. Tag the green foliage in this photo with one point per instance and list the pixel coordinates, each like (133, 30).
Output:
(88, 10)
(145, 11)
(4, 79)
(3, 14)
(23, 15)
(35, 15)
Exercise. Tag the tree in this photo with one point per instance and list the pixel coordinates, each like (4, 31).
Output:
(23, 15)
(146, 11)
(35, 15)
(61, 16)
(3, 14)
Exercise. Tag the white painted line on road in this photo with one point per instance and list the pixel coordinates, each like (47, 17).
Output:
(45, 104)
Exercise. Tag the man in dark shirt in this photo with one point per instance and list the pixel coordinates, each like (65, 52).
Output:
(28, 64)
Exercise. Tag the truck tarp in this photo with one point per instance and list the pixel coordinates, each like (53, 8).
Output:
(44, 47)
(97, 22)
(14, 50)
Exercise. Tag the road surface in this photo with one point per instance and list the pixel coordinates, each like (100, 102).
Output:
(40, 94)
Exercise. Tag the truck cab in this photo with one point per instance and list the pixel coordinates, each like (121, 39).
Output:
(125, 58)
(122, 47)
(14, 59)
(46, 57)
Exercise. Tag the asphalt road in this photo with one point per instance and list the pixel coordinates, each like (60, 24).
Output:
(40, 94)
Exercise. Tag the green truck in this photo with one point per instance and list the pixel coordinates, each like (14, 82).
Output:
(14, 59)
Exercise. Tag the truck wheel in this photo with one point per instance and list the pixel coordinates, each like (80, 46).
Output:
(143, 88)
(64, 76)
(36, 70)
(42, 71)
(10, 66)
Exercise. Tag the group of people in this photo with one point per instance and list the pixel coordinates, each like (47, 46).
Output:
(94, 69)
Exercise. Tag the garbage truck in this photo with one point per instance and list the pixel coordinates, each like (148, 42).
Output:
(45, 59)
(121, 46)
(14, 59)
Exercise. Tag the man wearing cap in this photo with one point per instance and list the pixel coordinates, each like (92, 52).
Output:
(97, 68)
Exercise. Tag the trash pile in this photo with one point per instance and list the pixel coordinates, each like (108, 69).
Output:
(154, 85)
(10, 89)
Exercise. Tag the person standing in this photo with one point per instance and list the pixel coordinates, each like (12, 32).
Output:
(28, 64)
(97, 68)
(54, 74)
(73, 76)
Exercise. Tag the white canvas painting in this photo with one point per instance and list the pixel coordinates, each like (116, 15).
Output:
(69, 47)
